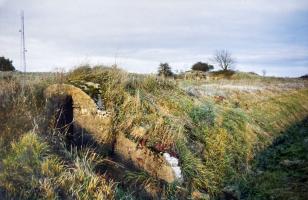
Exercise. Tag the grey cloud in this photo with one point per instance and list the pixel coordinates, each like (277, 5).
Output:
(144, 32)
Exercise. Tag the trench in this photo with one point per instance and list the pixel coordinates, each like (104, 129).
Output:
(283, 165)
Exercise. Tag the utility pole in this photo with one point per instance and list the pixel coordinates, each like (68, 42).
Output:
(22, 44)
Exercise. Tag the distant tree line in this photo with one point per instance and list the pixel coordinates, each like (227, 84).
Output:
(222, 58)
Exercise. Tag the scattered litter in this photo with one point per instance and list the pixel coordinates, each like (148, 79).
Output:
(173, 162)
(103, 113)
(94, 85)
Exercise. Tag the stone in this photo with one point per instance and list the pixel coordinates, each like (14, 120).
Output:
(91, 84)
(193, 92)
(197, 195)
(230, 192)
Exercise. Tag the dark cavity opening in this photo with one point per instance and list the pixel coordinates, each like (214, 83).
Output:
(65, 118)
(74, 134)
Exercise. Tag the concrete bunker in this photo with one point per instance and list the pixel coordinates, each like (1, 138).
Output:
(79, 117)
(75, 114)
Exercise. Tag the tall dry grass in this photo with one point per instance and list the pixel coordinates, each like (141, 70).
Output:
(215, 140)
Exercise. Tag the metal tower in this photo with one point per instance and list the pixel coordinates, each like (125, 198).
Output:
(22, 43)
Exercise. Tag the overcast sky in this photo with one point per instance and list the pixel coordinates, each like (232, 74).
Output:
(139, 34)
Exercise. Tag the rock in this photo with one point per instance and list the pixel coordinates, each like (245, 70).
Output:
(196, 195)
(94, 85)
(99, 102)
(193, 92)
(230, 193)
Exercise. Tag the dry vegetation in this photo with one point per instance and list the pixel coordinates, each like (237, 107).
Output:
(217, 128)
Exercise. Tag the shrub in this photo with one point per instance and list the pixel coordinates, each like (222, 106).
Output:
(164, 70)
(6, 64)
(203, 114)
(200, 66)
(79, 72)
(21, 167)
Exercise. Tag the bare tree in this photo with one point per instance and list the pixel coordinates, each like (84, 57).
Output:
(224, 59)
(264, 72)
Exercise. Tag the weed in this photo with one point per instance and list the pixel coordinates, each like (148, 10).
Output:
(30, 171)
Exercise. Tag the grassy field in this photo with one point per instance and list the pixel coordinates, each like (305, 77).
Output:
(236, 136)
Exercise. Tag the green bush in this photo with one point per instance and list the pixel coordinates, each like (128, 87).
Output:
(234, 120)
(203, 115)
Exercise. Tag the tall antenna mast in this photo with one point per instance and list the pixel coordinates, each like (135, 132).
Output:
(115, 59)
(23, 46)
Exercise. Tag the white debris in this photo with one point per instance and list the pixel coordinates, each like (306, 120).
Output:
(173, 162)
(102, 113)
(91, 84)
(85, 88)
(178, 173)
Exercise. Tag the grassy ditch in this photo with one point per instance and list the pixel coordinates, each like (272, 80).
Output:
(219, 141)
